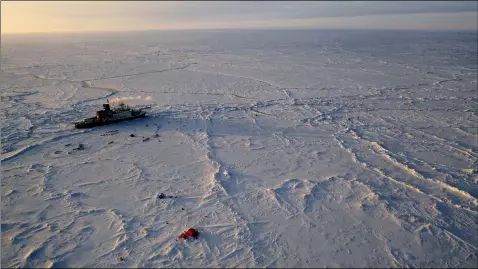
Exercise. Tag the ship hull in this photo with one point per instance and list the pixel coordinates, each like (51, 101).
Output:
(91, 124)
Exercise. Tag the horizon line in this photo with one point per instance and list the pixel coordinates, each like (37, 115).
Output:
(232, 29)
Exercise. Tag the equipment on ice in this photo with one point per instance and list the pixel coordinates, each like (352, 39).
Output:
(190, 233)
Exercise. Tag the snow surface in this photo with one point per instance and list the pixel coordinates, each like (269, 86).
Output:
(282, 148)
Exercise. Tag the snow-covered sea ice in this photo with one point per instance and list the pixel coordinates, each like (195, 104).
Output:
(282, 148)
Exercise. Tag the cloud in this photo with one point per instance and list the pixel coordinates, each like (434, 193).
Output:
(271, 10)
(182, 11)
(147, 15)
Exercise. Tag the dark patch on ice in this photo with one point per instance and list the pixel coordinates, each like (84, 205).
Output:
(7, 226)
(80, 147)
(36, 166)
(78, 195)
(108, 133)
(34, 254)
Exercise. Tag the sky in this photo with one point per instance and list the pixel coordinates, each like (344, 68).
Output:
(104, 16)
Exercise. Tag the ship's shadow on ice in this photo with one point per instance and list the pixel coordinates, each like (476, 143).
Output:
(224, 126)
(214, 127)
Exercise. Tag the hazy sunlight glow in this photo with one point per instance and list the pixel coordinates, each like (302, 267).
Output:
(93, 16)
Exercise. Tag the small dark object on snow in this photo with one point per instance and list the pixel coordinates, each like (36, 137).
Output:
(146, 125)
(182, 208)
(113, 132)
(111, 142)
(159, 140)
(80, 147)
(167, 222)
(156, 135)
(189, 233)
(163, 196)
(121, 259)
(146, 139)
(67, 145)
(57, 152)
(131, 135)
